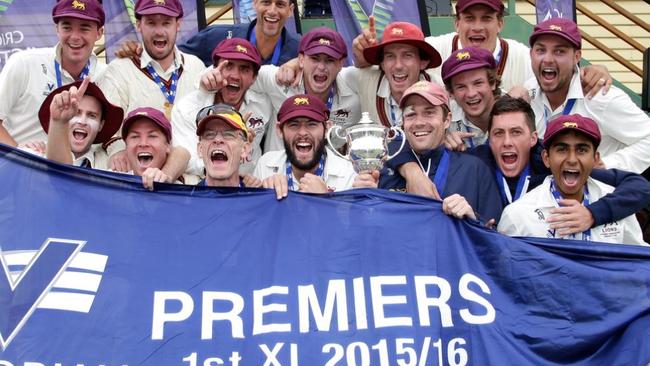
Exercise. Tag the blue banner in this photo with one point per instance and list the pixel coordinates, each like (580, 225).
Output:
(547, 9)
(99, 271)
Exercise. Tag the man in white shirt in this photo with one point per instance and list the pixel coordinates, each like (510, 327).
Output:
(305, 164)
(30, 75)
(556, 90)
(78, 119)
(570, 152)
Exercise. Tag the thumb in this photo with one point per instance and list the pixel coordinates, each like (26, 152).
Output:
(465, 135)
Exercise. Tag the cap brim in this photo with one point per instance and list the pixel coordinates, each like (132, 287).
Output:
(159, 10)
(200, 127)
(428, 97)
(371, 54)
(112, 115)
(76, 15)
(305, 113)
(486, 3)
(238, 56)
(126, 125)
(326, 50)
(465, 66)
(548, 139)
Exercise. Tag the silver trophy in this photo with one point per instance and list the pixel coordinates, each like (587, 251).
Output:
(367, 143)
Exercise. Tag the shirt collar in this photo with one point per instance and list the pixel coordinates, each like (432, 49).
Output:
(90, 155)
(145, 59)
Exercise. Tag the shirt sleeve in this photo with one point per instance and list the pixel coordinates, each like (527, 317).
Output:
(632, 194)
(13, 74)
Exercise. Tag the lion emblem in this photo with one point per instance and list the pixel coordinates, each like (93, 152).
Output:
(570, 125)
(301, 101)
(159, 2)
(78, 5)
(462, 56)
(241, 48)
(555, 28)
(324, 41)
(397, 31)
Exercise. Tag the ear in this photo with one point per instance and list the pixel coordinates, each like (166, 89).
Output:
(199, 149)
(456, 21)
(596, 159)
(423, 64)
(138, 25)
(533, 138)
(328, 125)
(301, 60)
(446, 122)
(500, 24)
(278, 130)
(578, 56)
(245, 151)
(100, 33)
(545, 159)
(178, 24)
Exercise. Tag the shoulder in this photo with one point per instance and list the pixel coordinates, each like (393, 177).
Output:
(192, 61)
(273, 158)
(516, 46)
(440, 40)
(337, 165)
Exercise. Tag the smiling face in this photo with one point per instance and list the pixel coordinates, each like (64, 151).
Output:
(571, 158)
(474, 93)
(479, 26)
(271, 15)
(159, 35)
(304, 142)
(222, 149)
(319, 72)
(553, 60)
(402, 64)
(424, 123)
(85, 126)
(77, 38)
(510, 142)
(146, 146)
(240, 77)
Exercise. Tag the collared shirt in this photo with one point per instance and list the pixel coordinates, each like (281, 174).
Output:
(96, 157)
(145, 59)
(184, 125)
(345, 109)
(338, 173)
(25, 81)
(527, 217)
(624, 127)
(127, 85)
(463, 125)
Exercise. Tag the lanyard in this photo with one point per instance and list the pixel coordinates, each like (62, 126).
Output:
(567, 109)
(522, 185)
(440, 178)
(330, 98)
(275, 59)
(586, 235)
(471, 139)
(170, 94)
(319, 171)
(393, 117)
(59, 80)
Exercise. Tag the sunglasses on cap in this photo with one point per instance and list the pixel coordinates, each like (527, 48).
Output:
(216, 109)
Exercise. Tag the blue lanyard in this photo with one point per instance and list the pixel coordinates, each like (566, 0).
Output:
(586, 235)
(319, 171)
(522, 185)
(440, 178)
(59, 80)
(567, 109)
(393, 117)
(170, 94)
(275, 59)
(330, 98)
(471, 139)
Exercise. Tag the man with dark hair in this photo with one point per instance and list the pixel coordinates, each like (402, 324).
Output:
(570, 152)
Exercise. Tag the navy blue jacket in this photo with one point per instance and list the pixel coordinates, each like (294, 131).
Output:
(467, 176)
(202, 43)
(631, 195)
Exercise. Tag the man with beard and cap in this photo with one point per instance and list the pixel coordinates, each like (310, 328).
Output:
(236, 64)
(462, 181)
(570, 152)
(30, 75)
(78, 119)
(305, 164)
(625, 128)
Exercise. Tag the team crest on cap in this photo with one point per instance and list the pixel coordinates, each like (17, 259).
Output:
(555, 28)
(462, 56)
(301, 101)
(241, 48)
(570, 125)
(420, 85)
(397, 31)
(142, 114)
(159, 2)
(79, 5)
(324, 41)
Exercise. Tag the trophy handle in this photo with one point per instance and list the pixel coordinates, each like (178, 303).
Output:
(335, 129)
(397, 131)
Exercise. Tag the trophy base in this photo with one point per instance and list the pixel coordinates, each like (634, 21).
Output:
(367, 165)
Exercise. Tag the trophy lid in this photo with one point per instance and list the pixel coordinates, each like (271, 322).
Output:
(365, 119)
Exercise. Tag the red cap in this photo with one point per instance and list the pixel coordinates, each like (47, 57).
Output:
(575, 122)
(80, 9)
(323, 40)
(465, 59)
(432, 92)
(237, 49)
(402, 32)
(151, 114)
(462, 5)
(303, 105)
(564, 28)
(171, 8)
(112, 115)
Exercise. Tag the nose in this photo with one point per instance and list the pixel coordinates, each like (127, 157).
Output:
(572, 157)
(507, 141)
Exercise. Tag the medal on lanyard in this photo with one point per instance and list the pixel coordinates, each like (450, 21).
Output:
(57, 70)
(586, 235)
(169, 94)
(522, 185)
(319, 171)
(275, 59)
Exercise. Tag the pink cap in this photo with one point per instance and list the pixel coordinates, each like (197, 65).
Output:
(432, 92)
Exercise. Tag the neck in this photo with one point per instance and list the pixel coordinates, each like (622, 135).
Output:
(481, 121)
(576, 196)
(232, 181)
(74, 69)
(558, 97)
(323, 96)
(167, 61)
(396, 95)
(265, 44)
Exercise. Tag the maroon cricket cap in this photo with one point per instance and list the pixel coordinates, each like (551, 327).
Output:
(237, 49)
(462, 5)
(80, 9)
(466, 59)
(560, 27)
(151, 114)
(112, 115)
(323, 40)
(402, 32)
(575, 122)
(303, 105)
(171, 8)
(432, 92)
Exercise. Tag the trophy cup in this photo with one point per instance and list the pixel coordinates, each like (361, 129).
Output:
(367, 143)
